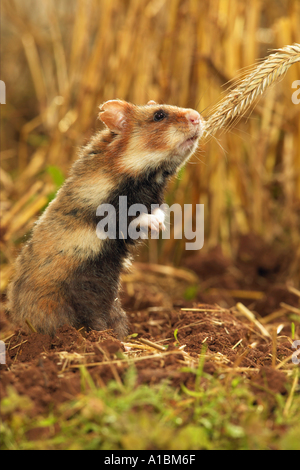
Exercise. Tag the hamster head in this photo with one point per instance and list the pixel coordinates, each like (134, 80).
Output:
(151, 137)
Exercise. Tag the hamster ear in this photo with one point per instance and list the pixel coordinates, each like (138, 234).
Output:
(151, 102)
(113, 114)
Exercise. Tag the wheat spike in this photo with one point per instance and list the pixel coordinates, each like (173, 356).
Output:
(236, 103)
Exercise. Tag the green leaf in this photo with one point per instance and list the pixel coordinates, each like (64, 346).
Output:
(191, 292)
(234, 431)
(56, 174)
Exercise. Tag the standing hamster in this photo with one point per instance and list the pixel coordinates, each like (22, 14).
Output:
(66, 274)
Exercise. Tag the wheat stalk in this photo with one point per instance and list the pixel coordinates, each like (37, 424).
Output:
(236, 103)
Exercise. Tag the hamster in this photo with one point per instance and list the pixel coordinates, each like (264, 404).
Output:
(66, 274)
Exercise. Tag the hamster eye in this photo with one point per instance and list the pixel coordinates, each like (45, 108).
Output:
(159, 115)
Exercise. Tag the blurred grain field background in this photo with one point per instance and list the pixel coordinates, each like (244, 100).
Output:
(62, 59)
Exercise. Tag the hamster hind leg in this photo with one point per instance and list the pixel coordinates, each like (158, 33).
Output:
(118, 320)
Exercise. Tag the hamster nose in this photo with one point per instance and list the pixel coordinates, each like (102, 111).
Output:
(193, 116)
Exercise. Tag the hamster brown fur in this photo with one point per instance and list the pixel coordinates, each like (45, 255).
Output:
(65, 274)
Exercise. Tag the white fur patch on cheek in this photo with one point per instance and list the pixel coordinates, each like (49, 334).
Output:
(139, 159)
(174, 137)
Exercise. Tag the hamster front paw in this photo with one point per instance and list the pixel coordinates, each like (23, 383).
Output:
(151, 222)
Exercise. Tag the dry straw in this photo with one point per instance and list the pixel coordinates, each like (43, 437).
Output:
(236, 103)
